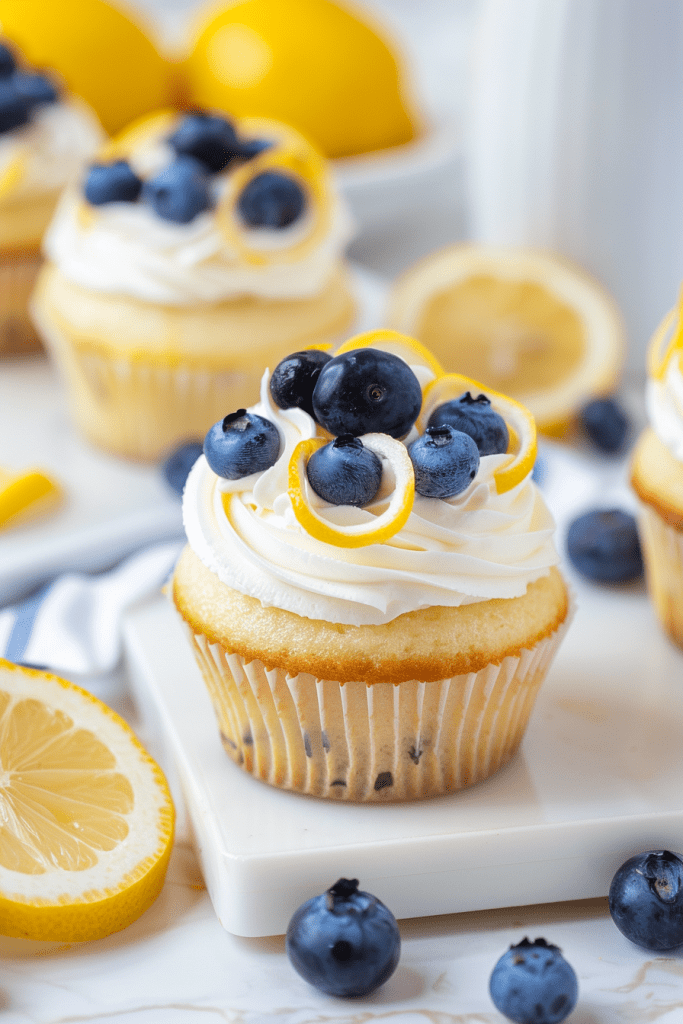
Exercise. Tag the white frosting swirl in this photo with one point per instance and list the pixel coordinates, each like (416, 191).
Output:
(51, 149)
(474, 547)
(664, 399)
(129, 250)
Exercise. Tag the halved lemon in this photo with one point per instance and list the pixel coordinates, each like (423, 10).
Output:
(522, 446)
(406, 348)
(23, 495)
(358, 535)
(86, 818)
(528, 323)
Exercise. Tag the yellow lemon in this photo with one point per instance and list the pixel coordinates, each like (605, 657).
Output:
(101, 54)
(23, 495)
(313, 64)
(527, 323)
(86, 818)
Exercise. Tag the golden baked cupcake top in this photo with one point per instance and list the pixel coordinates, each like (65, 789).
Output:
(187, 208)
(370, 484)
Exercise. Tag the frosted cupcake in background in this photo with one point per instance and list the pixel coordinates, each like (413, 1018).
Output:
(657, 475)
(373, 615)
(46, 138)
(194, 251)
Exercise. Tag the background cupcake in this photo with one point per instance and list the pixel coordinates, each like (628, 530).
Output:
(45, 139)
(381, 644)
(195, 251)
(657, 475)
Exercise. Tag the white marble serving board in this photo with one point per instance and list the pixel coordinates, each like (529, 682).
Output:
(599, 777)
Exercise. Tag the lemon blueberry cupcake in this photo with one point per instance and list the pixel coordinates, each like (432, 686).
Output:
(194, 251)
(657, 475)
(46, 138)
(370, 583)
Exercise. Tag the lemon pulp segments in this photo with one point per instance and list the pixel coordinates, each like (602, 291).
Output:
(522, 445)
(359, 535)
(87, 819)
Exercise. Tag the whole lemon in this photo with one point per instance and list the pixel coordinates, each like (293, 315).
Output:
(310, 63)
(101, 54)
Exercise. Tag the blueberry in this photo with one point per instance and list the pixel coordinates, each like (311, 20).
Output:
(445, 461)
(345, 472)
(179, 463)
(476, 417)
(604, 546)
(539, 472)
(367, 390)
(533, 984)
(605, 423)
(35, 88)
(252, 148)
(208, 138)
(241, 444)
(646, 900)
(111, 183)
(344, 942)
(271, 200)
(14, 109)
(180, 192)
(295, 376)
(8, 63)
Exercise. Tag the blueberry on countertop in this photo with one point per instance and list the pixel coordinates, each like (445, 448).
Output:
(180, 192)
(445, 461)
(367, 390)
(476, 417)
(15, 111)
(179, 463)
(345, 942)
(646, 900)
(606, 424)
(295, 376)
(271, 200)
(533, 984)
(603, 545)
(345, 472)
(241, 444)
(35, 88)
(8, 63)
(111, 183)
(207, 137)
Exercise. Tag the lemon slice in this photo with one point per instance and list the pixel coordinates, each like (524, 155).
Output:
(87, 818)
(292, 154)
(667, 339)
(522, 446)
(359, 535)
(408, 349)
(23, 495)
(12, 173)
(529, 323)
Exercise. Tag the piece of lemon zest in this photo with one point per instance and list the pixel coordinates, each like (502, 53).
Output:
(667, 339)
(522, 444)
(390, 341)
(361, 534)
(25, 494)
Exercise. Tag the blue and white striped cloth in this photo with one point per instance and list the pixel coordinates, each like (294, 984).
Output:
(73, 624)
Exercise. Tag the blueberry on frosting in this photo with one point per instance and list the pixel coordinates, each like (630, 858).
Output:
(240, 444)
(476, 417)
(111, 183)
(180, 192)
(294, 378)
(35, 89)
(14, 110)
(445, 461)
(8, 62)
(208, 138)
(271, 200)
(20, 91)
(345, 472)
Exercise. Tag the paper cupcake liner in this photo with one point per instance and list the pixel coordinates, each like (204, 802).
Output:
(18, 274)
(380, 742)
(141, 409)
(663, 556)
